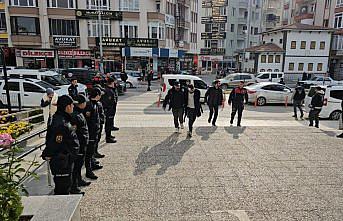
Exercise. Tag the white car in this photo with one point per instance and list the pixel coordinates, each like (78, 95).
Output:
(332, 101)
(233, 80)
(169, 79)
(318, 80)
(132, 82)
(28, 91)
(269, 92)
(270, 76)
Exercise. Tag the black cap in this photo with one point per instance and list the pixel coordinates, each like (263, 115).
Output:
(80, 99)
(73, 78)
(94, 92)
(176, 83)
(64, 101)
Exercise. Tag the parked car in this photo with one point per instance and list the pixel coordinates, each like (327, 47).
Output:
(132, 82)
(233, 80)
(51, 77)
(30, 91)
(269, 92)
(169, 79)
(270, 76)
(319, 80)
(332, 101)
(83, 75)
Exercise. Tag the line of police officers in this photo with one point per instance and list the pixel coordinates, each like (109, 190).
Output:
(74, 133)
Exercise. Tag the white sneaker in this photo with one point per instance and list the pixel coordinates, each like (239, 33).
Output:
(182, 127)
(177, 130)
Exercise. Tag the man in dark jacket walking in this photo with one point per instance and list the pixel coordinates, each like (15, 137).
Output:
(80, 123)
(193, 107)
(150, 78)
(72, 89)
(176, 100)
(62, 145)
(316, 107)
(214, 97)
(238, 97)
(298, 99)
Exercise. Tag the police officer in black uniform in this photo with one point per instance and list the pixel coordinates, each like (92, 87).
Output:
(62, 145)
(80, 123)
(109, 101)
(93, 121)
(72, 89)
(237, 97)
(102, 122)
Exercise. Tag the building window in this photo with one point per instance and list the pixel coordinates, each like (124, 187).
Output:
(25, 26)
(233, 12)
(61, 3)
(320, 67)
(280, 41)
(263, 58)
(326, 23)
(270, 58)
(232, 29)
(303, 45)
(322, 45)
(221, 43)
(129, 5)
(338, 20)
(310, 67)
(3, 25)
(222, 10)
(156, 30)
(208, 27)
(94, 4)
(293, 45)
(313, 45)
(291, 66)
(207, 43)
(339, 3)
(277, 58)
(64, 27)
(301, 67)
(128, 31)
(24, 3)
(93, 28)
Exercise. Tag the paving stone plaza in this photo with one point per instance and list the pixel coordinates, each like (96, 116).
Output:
(273, 168)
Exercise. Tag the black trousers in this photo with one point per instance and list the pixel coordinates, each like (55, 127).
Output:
(314, 116)
(191, 118)
(298, 104)
(178, 116)
(235, 109)
(62, 184)
(213, 110)
(76, 174)
(89, 155)
(109, 124)
(99, 138)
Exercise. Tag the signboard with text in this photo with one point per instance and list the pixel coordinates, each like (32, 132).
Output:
(64, 41)
(128, 42)
(212, 51)
(214, 19)
(94, 14)
(37, 54)
(214, 3)
(213, 35)
(74, 54)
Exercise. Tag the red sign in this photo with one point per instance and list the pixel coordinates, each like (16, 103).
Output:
(36, 54)
(74, 54)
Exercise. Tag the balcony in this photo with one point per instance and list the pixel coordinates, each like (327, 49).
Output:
(24, 40)
(61, 12)
(242, 20)
(184, 24)
(23, 10)
(130, 15)
(156, 16)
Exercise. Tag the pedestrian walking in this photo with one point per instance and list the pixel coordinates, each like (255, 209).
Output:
(193, 107)
(176, 100)
(298, 100)
(341, 121)
(316, 106)
(214, 98)
(150, 78)
(238, 97)
(124, 77)
(93, 122)
(109, 101)
(282, 81)
(62, 146)
(49, 105)
(72, 89)
(80, 124)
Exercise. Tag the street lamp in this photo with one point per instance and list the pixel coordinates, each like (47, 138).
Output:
(4, 69)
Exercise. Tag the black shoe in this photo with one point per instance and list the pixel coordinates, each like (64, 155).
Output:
(84, 183)
(294, 116)
(95, 162)
(91, 176)
(209, 121)
(214, 125)
(340, 136)
(231, 122)
(317, 126)
(97, 167)
(76, 190)
(115, 128)
(113, 137)
(98, 155)
(311, 125)
(238, 125)
(110, 140)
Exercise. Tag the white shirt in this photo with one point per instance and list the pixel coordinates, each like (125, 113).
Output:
(190, 100)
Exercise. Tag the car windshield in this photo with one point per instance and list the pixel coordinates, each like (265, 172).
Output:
(60, 78)
(47, 85)
(56, 80)
(135, 74)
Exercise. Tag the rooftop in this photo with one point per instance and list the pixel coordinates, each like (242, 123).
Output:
(302, 27)
(269, 47)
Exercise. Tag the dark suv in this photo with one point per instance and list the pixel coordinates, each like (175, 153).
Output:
(83, 75)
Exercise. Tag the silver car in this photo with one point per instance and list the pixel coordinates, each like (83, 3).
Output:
(233, 80)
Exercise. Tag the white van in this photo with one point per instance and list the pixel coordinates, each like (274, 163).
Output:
(50, 77)
(168, 80)
(332, 101)
(270, 76)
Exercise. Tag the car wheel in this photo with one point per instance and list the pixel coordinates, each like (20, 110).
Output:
(261, 101)
(335, 115)
(129, 85)
(224, 87)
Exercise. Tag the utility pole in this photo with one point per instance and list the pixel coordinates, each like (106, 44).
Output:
(4, 69)
(101, 65)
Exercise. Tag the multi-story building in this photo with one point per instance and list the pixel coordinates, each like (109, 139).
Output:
(232, 26)
(336, 64)
(272, 11)
(138, 33)
(292, 49)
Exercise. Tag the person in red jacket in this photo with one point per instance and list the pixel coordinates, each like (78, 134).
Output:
(237, 97)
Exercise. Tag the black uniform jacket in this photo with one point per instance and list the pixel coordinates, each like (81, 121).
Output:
(93, 119)
(109, 100)
(214, 96)
(72, 90)
(238, 96)
(175, 99)
(79, 121)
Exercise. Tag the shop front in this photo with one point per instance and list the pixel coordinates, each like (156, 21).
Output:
(74, 58)
(210, 63)
(35, 58)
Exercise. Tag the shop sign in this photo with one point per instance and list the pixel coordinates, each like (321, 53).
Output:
(94, 14)
(36, 54)
(125, 42)
(141, 52)
(169, 20)
(214, 3)
(211, 58)
(65, 41)
(173, 53)
(213, 19)
(213, 35)
(74, 54)
(212, 51)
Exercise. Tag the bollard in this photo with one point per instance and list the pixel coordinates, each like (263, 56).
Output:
(49, 173)
(286, 101)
